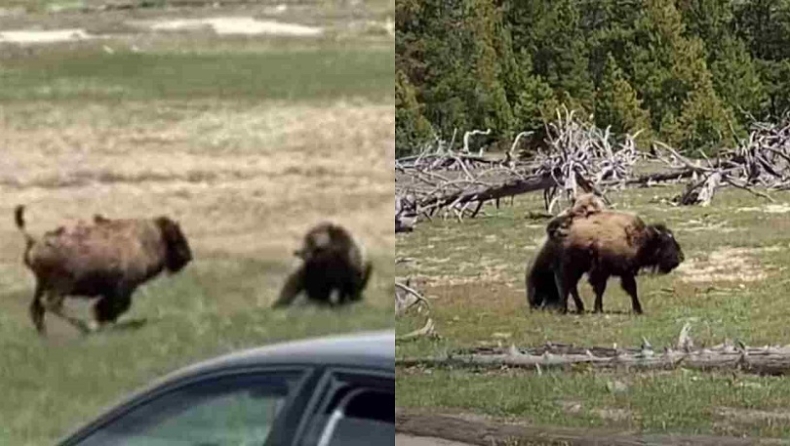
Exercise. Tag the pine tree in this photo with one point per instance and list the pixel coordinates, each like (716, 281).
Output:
(736, 78)
(764, 26)
(705, 124)
(457, 67)
(550, 32)
(670, 70)
(734, 73)
(617, 105)
(412, 130)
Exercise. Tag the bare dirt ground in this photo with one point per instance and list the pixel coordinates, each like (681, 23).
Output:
(75, 22)
(219, 25)
(423, 429)
(409, 440)
(724, 265)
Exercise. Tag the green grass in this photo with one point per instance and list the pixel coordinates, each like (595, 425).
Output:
(51, 384)
(474, 274)
(679, 402)
(322, 71)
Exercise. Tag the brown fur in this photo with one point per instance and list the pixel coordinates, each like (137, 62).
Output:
(107, 260)
(587, 204)
(584, 206)
(332, 261)
(603, 244)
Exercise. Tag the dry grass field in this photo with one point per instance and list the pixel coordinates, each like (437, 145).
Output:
(245, 140)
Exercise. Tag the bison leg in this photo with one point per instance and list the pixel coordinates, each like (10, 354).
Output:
(55, 306)
(37, 309)
(576, 299)
(628, 282)
(109, 308)
(293, 286)
(598, 282)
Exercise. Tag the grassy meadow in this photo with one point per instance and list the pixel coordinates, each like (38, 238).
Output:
(246, 141)
(733, 284)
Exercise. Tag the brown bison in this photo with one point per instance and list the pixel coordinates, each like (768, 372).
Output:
(602, 244)
(107, 260)
(333, 265)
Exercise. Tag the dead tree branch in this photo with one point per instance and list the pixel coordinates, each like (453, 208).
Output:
(767, 360)
(406, 298)
(581, 158)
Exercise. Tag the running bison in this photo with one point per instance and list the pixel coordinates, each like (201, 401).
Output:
(106, 260)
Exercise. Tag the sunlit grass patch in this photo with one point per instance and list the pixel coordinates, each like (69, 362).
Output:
(314, 73)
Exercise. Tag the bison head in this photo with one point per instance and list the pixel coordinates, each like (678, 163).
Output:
(177, 251)
(661, 251)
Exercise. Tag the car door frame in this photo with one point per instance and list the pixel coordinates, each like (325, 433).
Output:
(287, 421)
(324, 393)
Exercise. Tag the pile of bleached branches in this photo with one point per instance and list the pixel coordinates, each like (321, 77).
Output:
(761, 161)
(450, 182)
(443, 181)
(584, 156)
(580, 157)
(772, 360)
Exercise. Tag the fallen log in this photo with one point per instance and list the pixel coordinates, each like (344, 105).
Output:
(775, 364)
(660, 177)
(757, 360)
(482, 193)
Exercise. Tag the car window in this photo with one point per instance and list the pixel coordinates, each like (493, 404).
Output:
(364, 417)
(359, 410)
(237, 410)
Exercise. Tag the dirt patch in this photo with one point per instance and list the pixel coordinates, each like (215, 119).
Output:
(751, 416)
(571, 407)
(233, 26)
(723, 265)
(218, 25)
(487, 272)
(451, 281)
(699, 226)
(483, 430)
(779, 208)
(48, 36)
(408, 440)
(616, 415)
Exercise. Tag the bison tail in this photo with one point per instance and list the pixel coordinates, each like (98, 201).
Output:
(19, 217)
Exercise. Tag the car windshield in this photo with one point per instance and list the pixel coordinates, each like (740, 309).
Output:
(232, 411)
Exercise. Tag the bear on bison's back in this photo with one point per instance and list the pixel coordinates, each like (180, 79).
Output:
(602, 244)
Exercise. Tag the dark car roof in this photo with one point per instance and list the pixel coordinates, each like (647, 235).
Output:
(366, 349)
